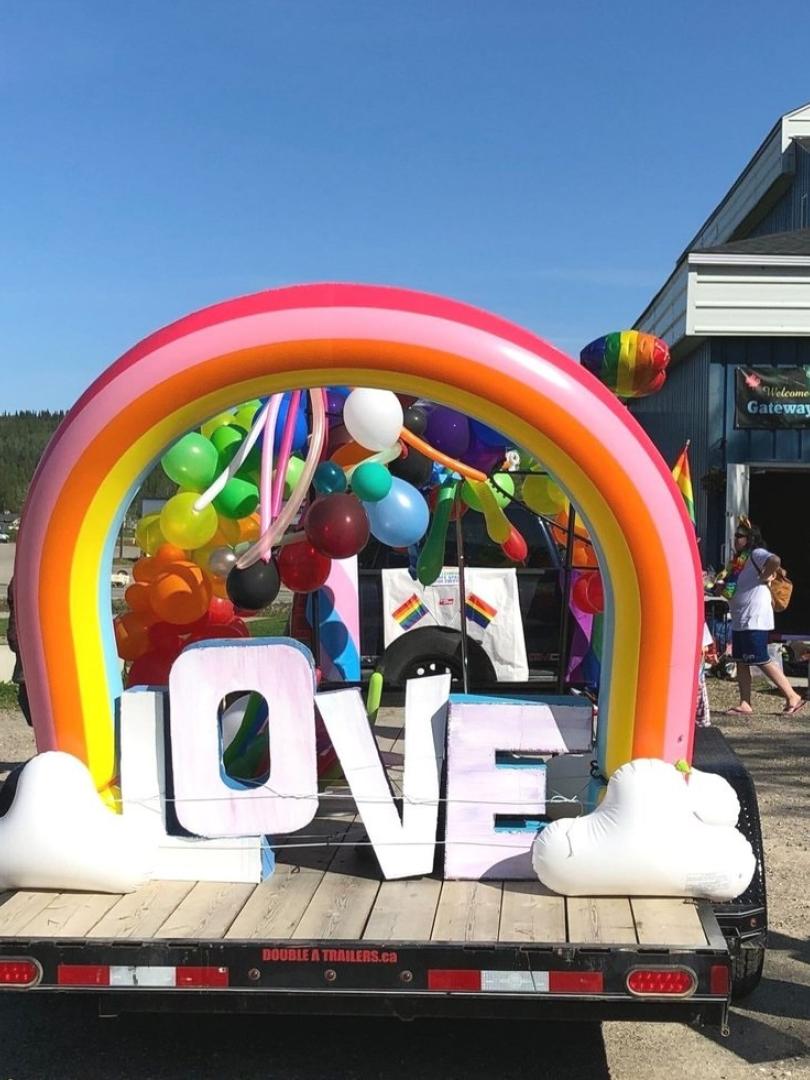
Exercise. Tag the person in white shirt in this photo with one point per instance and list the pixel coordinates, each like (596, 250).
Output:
(744, 583)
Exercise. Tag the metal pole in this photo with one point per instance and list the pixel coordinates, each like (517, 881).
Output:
(462, 595)
(566, 598)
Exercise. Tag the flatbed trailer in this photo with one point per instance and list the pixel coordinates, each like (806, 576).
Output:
(324, 934)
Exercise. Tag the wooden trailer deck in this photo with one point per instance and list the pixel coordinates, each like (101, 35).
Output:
(320, 893)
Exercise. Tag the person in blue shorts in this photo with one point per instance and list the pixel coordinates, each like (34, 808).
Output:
(744, 583)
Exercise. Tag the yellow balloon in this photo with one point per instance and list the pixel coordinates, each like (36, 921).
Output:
(543, 495)
(185, 526)
(215, 422)
(244, 416)
(148, 534)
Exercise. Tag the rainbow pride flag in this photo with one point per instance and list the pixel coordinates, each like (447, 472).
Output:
(479, 611)
(409, 613)
(682, 476)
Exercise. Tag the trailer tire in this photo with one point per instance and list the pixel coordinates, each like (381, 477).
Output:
(746, 971)
(433, 650)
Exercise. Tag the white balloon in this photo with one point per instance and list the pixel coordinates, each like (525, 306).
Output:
(373, 418)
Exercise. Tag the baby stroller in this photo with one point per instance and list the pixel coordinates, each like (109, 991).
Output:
(718, 655)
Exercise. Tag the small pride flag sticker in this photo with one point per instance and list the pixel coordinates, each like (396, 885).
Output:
(479, 611)
(409, 613)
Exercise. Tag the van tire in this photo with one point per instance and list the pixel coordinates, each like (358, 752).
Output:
(433, 650)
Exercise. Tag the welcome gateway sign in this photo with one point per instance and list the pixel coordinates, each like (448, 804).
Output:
(772, 397)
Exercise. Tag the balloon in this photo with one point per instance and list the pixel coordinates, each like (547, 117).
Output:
(131, 635)
(373, 418)
(181, 524)
(220, 611)
(543, 495)
(596, 593)
(254, 587)
(302, 567)
(146, 569)
(210, 426)
(226, 440)
(350, 453)
(448, 431)
(401, 518)
(485, 458)
(237, 499)
(502, 486)
(181, 594)
(210, 633)
(245, 415)
(300, 431)
(488, 436)
(295, 470)
(499, 527)
(412, 467)
(150, 669)
(169, 553)
(459, 508)
(191, 462)
(227, 534)
(588, 594)
(249, 529)
(415, 419)
(221, 561)
(165, 638)
(148, 536)
(137, 598)
(630, 363)
(583, 554)
(337, 525)
(431, 557)
(335, 397)
(371, 481)
(515, 547)
(329, 478)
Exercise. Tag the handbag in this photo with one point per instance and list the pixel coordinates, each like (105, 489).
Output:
(781, 588)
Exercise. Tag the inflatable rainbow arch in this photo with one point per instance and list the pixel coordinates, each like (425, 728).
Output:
(321, 335)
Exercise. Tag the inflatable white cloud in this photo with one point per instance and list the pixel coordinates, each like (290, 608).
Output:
(657, 832)
(58, 834)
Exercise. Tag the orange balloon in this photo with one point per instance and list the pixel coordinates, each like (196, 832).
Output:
(583, 555)
(350, 454)
(181, 594)
(227, 533)
(249, 529)
(131, 635)
(146, 569)
(218, 586)
(170, 553)
(137, 598)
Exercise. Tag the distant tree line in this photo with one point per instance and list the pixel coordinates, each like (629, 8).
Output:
(23, 438)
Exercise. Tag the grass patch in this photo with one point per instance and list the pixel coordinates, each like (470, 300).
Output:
(272, 625)
(8, 695)
(3, 627)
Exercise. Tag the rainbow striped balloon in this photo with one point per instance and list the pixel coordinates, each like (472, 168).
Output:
(629, 363)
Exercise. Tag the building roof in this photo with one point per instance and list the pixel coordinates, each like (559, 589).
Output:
(796, 242)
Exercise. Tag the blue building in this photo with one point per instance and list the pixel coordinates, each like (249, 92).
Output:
(735, 312)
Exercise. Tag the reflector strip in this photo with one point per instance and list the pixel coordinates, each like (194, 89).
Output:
(576, 982)
(719, 979)
(518, 982)
(146, 975)
(454, 980)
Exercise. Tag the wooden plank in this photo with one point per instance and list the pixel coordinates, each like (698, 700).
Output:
(530, 913)
(341, 904)
(667, 922)
(207, 912)
(20, 909)
(70, 915)
(404, 910)
(604, 919)
(468, 911)
(276, 907)
(140, 914)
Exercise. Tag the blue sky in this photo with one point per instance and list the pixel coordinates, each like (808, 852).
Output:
(545, 161)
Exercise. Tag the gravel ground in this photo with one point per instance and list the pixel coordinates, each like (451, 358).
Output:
(770, 1033)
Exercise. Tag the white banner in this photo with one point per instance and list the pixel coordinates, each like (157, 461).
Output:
(492, 612)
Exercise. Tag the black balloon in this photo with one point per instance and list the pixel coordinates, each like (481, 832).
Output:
(255, 587)
(415, 420)
(413, 467)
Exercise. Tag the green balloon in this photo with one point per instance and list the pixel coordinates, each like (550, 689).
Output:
(371, 481)
(503, 487)
(238, 499)
(295, 470)
(192, 462)
(227, 440)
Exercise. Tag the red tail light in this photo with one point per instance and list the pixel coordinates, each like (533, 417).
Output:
(661, 982)
(19, 972)
(719, 979)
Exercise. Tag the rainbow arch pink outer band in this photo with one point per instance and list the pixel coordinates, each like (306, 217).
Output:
(319, 335)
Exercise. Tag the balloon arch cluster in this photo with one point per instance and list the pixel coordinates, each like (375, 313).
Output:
(272, 491)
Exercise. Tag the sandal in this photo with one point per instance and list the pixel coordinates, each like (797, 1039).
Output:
(735, 710)
(795, 708)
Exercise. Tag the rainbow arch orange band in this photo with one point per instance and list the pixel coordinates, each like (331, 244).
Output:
(320, 335)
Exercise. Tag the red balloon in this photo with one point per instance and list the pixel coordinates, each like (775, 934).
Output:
(220, 611)
(515, 547)
(337, 525)
(165, 638)
(302, 567)
(596, 593)
(586, 594)
(212, 632)
(151, 669)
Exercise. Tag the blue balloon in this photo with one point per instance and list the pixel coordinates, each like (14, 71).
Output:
(329, 478)
(300, 431)
(487, 435)
(401, 518)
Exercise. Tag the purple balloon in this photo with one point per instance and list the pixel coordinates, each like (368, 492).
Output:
(485, 458)
(448, 431)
